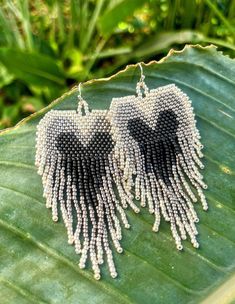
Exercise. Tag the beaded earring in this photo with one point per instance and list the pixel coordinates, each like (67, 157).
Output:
(159, 149)
(75, 157)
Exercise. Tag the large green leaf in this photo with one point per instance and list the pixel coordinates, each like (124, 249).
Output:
(33, 68)
(37, 265)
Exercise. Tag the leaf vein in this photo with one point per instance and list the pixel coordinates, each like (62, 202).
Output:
(65, 260)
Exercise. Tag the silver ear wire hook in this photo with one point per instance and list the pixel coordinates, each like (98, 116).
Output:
(82, 104)
(141, 84)
(79, 91)
(142, 77)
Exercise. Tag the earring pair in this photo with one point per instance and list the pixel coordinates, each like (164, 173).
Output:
(94, 163)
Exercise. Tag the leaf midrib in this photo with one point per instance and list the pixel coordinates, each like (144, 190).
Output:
(222, 294)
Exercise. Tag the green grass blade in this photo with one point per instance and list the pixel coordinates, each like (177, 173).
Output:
(220, 15)
(25, 19)
(92, 25)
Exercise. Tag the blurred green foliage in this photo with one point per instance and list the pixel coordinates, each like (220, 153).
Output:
(48, 46)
